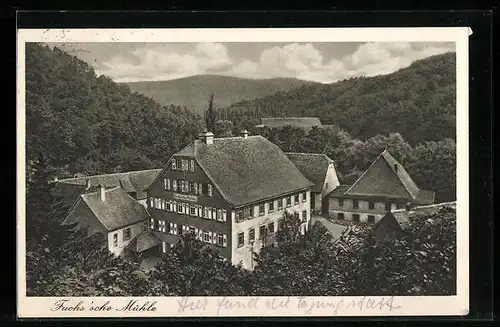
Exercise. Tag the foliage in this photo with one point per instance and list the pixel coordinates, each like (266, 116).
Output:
(193, 268)
(418, 102)
(88, 124)
(210, 114)
(223, 128)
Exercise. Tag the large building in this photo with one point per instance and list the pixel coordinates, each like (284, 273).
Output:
(231, 192)
(320, 170)
(111, 212)
(384, 186)
(132, 182)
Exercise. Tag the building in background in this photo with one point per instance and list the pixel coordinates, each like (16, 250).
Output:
(320, 170)
(132, 182)
(230, 192)
(305, 123)
(111, 212)
(395, 224)
(384, 186)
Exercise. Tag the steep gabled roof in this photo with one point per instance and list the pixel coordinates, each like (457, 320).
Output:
(387, 178)
(117, 211)
(143, 242)
(246, 170)
(313, 166)
(298, 122)
(132, 181)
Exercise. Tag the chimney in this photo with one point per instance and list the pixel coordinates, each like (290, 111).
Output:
(87, 184)
(396, 168)
(102, 190)
(408, 206)
(244, 133)
(207, 137)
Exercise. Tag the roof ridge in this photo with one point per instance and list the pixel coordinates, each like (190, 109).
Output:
(111, 174)
(105, 190)
(384, 155)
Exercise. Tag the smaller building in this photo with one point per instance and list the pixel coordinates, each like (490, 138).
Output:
(320, 170)
(111, 212)
(395, 224)
(305, 123)
(333, 229)
(384, 186)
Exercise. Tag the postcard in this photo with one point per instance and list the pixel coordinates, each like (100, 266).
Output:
(276, 172)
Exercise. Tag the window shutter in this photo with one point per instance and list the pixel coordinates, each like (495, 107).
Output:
(209, 190)
(168, 183)
(224, 216)
(225, 241)
(175, 229)
(210, 237)
(214, 237)
(171, 228)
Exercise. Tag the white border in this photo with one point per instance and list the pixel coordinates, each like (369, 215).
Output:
(39, 307)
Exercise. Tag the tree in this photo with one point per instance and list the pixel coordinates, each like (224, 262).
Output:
(223, 128)
(194, 268)
(210, 114)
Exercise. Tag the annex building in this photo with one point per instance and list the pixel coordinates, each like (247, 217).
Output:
(230, 192)
(384, 186)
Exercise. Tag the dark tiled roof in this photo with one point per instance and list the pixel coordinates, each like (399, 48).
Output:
(117, 211)
(132, 181)
(386, 178)
(335, 230)
(313, 166)
(246, 170)
(339, 191)
(298, 122)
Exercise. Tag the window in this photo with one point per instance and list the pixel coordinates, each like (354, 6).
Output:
(192, 210)
(304, 215)
(168, 206)
(296, 196)
(355, 204)
(200, 189)
(280, 204)
(180, 229)
(127, 234)
(371, 205)
(288, 201)
(115, 239)
(270, 228)
(304, 197)
(192, 187)
(191, 165)
(371, 219)
(296, 214)
(220, 239)
(261, 210)
(180, 208)
(341, 202)
(206, 237)
(271, 206)
(144, 227)
(152, 223)
(214, 213)
(251, 235)
(174, 185)
(340, 215)
(262, 231)
(280, 223)
(184, 165)
(250, 211)
(387, 207)
(219, 214)
(399, 206)
(174, 164)
(224, 215)
(165, 183)
(168, 183)
(209, 190)
(241, 239)
(205, 212)
(355, 217)
(150, 202)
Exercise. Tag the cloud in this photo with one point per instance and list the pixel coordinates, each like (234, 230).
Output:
(304, 61)
(162, 62)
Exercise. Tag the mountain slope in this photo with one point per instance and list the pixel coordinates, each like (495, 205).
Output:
(83, 123)
(193, 92)
(417, 101)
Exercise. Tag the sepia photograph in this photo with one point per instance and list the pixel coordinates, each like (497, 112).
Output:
(217, 169)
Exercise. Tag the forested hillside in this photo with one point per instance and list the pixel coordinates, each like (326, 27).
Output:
(418, 102)
(194, 91)
(81, 123)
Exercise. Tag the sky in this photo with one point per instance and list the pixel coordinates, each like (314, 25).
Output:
(318, 62)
